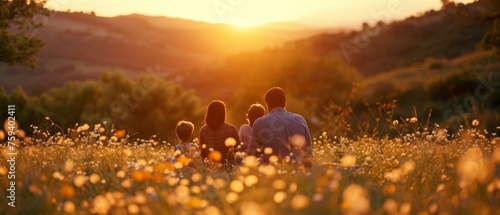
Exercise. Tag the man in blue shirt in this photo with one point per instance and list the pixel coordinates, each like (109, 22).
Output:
(280, 133)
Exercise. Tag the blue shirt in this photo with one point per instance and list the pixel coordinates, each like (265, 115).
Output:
(286, 133)
(188, 149)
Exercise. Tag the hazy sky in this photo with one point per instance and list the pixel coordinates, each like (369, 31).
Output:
(250, 12)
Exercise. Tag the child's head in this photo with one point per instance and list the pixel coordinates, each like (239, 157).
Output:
(184, 130)
(254, 112)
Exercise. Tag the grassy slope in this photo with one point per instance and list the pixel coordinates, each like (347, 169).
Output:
(439, 34)
(441, 85)
(432, 69)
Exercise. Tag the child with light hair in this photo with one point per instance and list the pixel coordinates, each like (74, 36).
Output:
(184, 132)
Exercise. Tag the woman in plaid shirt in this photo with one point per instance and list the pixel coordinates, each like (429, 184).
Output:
(218, 139)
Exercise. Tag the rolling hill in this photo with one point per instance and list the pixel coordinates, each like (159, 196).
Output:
(442, 34)
(446, 33)
(80, 46)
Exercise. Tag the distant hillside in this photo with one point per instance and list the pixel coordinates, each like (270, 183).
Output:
(80, 46)
(455, 90)
(382, 47)
(434, 35)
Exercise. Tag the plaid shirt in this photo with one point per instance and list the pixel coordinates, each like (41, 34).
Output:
(215, 139)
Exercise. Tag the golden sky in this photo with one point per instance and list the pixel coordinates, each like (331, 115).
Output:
(325, 13)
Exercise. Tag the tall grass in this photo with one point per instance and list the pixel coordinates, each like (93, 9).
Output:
(101, 171)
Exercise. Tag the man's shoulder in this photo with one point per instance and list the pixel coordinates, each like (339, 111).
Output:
(298, 116)
(294, 117)
(262, 119)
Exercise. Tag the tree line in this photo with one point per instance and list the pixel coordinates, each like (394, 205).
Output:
(122, 102)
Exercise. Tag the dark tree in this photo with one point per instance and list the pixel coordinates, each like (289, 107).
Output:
(365, 26)
(491, 13)
(19, 20)
(444, 3)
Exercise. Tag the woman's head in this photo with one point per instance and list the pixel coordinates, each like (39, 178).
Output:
(254, 112)
(216, 114)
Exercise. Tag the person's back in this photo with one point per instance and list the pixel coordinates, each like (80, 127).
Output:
(214, 135)
(215, 139)
(188, 149)
(245, 133)
(285, 133)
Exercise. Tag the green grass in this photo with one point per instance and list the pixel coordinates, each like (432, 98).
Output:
(439, 86)
(421, 172)
(404, 79)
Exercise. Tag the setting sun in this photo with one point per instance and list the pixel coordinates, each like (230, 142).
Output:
(250, 13)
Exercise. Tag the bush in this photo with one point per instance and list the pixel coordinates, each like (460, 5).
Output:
(27, 109)
(148, 105)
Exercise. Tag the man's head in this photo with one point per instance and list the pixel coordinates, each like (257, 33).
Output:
(184, 131)
(275, 97)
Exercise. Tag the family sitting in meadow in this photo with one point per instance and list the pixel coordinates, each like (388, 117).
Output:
(279, 136)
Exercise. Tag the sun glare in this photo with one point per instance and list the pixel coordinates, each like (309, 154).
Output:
(246, 23)
(246, 14)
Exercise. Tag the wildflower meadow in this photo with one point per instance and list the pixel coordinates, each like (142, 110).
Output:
(101, 170)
